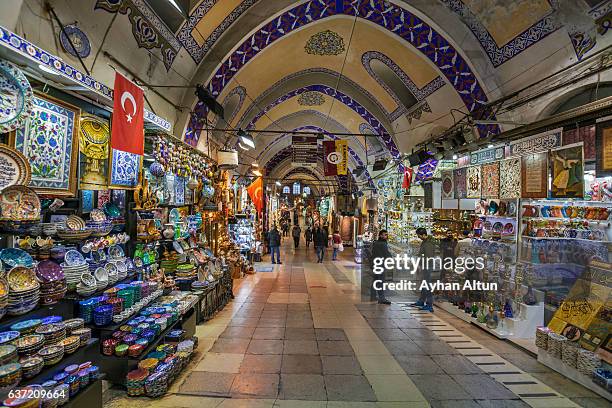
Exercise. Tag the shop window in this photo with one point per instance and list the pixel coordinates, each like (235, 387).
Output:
(286, 190)
(307, 190)
(296, 188)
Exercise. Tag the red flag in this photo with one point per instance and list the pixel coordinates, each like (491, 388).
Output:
(255, 191)
(128, 116)
(331, 158)
(407, 178)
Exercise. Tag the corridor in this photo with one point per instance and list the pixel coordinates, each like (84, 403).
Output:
(298, 335)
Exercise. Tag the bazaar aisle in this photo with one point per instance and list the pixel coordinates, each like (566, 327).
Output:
(299, 336)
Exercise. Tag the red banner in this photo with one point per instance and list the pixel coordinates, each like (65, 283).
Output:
(255, 191)
(128, 116)
(330, 158)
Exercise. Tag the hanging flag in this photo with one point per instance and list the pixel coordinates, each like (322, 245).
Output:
(407, 178)
(255, 191)
(335, 157)
(128, 116)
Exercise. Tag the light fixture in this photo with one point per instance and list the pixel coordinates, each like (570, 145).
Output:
(46, 69)
(490, 146)
(257, 172)
(278, 183)
(454, 157)
(242, 147)
(246, 138)
(255, 164)
(209, 100)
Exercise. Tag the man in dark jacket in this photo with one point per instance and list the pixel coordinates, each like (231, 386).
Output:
(295, 233)
(274, 240)
(320, 242)
(380, 249)
(308, 236)
(427, 251)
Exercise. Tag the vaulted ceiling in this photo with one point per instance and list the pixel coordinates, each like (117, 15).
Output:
(400, 70)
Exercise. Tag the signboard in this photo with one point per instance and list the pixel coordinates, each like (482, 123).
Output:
(335, 157)
(487, 155)
(536, 144)
(604, 149)
(304, 150)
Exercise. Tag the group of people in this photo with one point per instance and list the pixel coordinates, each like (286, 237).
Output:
(318, 236)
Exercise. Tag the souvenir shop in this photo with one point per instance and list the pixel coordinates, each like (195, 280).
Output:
(108, 259)
(538, 210)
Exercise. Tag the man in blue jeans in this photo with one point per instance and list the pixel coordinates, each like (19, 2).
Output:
(427, 250)
(274, 240)
(320, 242)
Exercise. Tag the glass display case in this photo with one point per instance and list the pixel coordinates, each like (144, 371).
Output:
(242, 233)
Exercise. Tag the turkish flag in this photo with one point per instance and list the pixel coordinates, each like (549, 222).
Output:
(128, 116)
(255, 191)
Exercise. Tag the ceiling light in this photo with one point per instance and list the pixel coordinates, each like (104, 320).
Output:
(246, 138)
(257, 173)
(454, 157)
(255, 164)
(46, 69)
(278, 183)
(242, 147)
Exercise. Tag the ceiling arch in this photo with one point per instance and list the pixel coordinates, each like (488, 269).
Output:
(431, 44)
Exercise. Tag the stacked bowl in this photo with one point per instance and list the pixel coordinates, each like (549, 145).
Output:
(24, 290)
(53, 332)
(101, 275)
(74, 266)
(52, 354)
(4, 296)
(71, 344)
(52, 282)
(29, 344)
(26, 326)
(87, 286)
(31, 366)
(8, 354)
(10, 375)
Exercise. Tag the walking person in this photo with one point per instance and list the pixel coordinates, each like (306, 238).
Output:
(336, 242)
(308, 236)
(274, 240)
(380, 249)
(426, 251)
(295, 233)
(320, 242)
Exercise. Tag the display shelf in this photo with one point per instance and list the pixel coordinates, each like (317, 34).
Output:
(504, 217)
(567, 219)
(76, 297)
(497, 333)
(90, 397)
(61, 308)
(572, 373)
(565, 239)
(454, 310)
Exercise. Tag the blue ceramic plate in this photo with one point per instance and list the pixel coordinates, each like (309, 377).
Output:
(74, 258)
(26, 324)
(16, 257)
(8, 336)
(52, 319)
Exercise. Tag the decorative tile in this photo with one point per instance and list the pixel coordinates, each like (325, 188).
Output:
(510, 178)
(325, 43)
(490, 180)
(474, 182)
(49, 140)
(460, 182)
(124, 169)
(448, 188)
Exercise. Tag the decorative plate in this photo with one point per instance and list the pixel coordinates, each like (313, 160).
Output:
(79, 40)
(74, 222)
(88, 279)
(74, 258)
(101, 275)
(19, 203)
(21, 279)
(15, 167)
(111, 210)
(177, 247)
(508, 228)
(26, 325)
(511, 208)
(4, 288)
(8, 336)
(492, 207)
(16, 257)
(49, 271)
(498, 227)
(15, 98)
(97, 215)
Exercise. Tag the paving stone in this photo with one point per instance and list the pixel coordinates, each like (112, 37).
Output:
(335, 348)
(341, 365)
(525, 362)
(269, 333)
(310, 387)
(455, 404)
(296, 333)
(301, 364)
(391, 334)
(348, 388)
(255, 386)
(482, 386)
(235, 346)
(456, 364)
(300, 347)
(439, 387)
(431, 347)
(407, 323)
(330, 334)
(258, 363)
(420, 334)
(300, 323)
(515, 403)
(592, 402)
(206, 383)
(563, 385)
(271, 323)
(265, 347)
(418, 364)
(238, 332)
(405, 347)
(247, 322)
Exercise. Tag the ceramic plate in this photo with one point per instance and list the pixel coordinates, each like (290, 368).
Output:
(111, 209)
(21, 279)
(177, 247)
(74, 258)
(512, 208)
(19, 203)
(116, 252)
(17, 97)
(88, 279)
(101, 275)
(15, 167)
(8, 336)
(16, 257)
(26, 324)
(75, 223)
(97, 215)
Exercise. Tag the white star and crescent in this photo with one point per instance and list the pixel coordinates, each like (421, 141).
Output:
(127, 95)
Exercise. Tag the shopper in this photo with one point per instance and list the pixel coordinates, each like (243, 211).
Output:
(448, 249)
(285, 227)
(336, 242)
(308, 236)
(380, 249)
(320, 242)
(295, 233)
(274, 239)
(426, 251)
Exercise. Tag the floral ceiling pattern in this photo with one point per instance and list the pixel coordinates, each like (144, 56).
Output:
(325, 43)
(311, 98)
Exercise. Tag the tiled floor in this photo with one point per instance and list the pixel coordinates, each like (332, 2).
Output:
(300, 337)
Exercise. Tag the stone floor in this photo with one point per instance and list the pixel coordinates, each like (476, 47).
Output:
(300, 336)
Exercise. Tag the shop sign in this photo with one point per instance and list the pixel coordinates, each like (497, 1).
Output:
(335, 157)
(536, 144)
(304, 150)
(604, 149)
(487, 155)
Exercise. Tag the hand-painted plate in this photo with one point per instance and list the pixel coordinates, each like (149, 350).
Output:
(16, 257)
(21, 279)
(15, 167)
(15, 97)
(73, 36)
(19, 203)
(8, 336)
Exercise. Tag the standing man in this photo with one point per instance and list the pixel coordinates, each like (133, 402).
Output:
(295, 233)
(274, 240)
(308, 236)
(320, 242)
(427, 251)
(336, 242)
(380, 249)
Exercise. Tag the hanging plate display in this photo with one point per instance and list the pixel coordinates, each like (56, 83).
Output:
(19, 203)
(79, 40)
(15, 97)
(14, 167)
